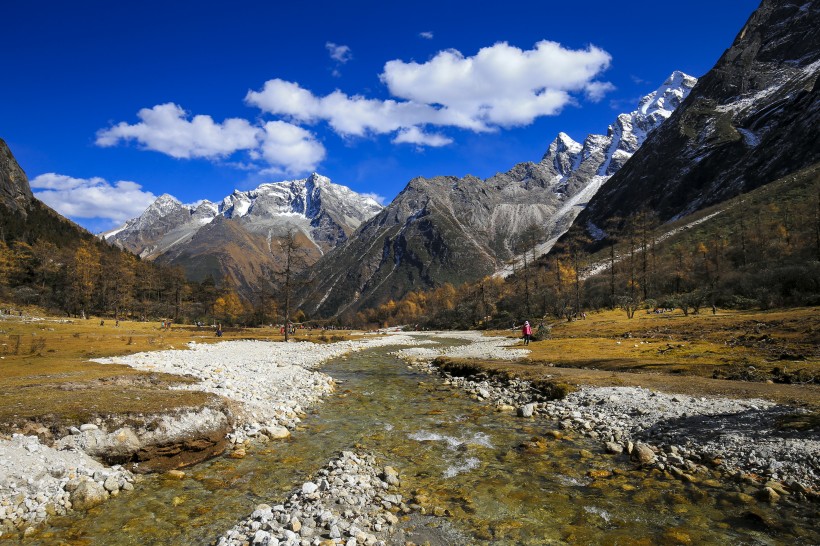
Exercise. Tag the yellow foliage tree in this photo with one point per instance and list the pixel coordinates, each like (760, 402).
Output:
(229, 307)
(84, 275)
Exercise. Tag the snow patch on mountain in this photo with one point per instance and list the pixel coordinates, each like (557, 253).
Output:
(318, 208)
(586, 167)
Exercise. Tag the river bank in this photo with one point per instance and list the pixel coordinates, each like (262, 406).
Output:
(270, 385)
(266, 388)
(682, 435)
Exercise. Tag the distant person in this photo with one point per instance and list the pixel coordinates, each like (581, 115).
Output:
(526, 332)
(219, 330)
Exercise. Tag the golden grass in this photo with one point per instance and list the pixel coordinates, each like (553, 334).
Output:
(46, 376)
(696, 345)
(688, 354)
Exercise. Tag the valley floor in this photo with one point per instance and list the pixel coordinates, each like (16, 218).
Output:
(58, 456)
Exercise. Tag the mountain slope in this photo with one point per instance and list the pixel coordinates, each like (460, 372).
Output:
(236, 239)
(446, 229)
(15, 192)
(753, 118)
(25, 218)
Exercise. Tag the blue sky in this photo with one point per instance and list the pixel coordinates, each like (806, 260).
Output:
(107, 105)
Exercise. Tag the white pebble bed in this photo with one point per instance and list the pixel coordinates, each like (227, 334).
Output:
(272, 382)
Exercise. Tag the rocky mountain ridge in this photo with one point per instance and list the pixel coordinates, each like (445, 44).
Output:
(15, 192)
(235, 240)
(323, 211)
(750, 120)
(448, 229)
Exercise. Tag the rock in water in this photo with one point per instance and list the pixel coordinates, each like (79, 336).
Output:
(87, 495)
(643, 454)
(526, 410)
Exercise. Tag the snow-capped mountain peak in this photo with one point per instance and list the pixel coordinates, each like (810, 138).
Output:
(624, 136)
(324, 211)
(563, 154)
(668, 96)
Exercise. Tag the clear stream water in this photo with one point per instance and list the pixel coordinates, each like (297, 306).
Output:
(458, 455)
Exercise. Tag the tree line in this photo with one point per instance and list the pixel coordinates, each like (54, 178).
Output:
(80, 276)
(760, 250)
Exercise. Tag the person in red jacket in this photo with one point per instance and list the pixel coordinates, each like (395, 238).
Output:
(526, 331)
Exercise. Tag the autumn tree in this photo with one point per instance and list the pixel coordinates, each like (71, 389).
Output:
(84, 276)
(47, 262)
(294, 261)
(526, 242)
(6, 262)
(119, 276)
(229, 307)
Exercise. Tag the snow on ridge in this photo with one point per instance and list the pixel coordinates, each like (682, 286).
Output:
(306, 197)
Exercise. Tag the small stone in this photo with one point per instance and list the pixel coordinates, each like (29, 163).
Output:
(614, 447)
(261, 538)
(87, 495)
(643, 454)
(526, 410)
(88, 426)
(175, 474)
(276, 432)
(768, 494)
(308, 488)
(112, 484)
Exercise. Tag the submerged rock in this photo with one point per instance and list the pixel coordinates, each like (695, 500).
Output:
(88, 494)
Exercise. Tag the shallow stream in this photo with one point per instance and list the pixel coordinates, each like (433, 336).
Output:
(454, 454)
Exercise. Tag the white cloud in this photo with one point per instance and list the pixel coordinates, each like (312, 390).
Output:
(426, 35)
(92, 197)
(166, 128)
(595, 91)
(414, 135)
(290, 149)
(501, 86)
(339, 53)
(349, 116)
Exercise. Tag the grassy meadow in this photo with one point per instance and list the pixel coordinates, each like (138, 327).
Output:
(46, 377)
(773, 355)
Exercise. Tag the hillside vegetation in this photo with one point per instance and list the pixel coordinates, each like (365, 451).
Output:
(760, 250)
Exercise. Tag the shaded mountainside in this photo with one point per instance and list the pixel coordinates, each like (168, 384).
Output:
(448, 229)
(237, 240)
(752, 119)
(24, 218)
(15, 192)
(241, 259)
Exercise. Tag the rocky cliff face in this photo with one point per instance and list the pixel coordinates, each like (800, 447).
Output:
(752, 119)
(446, 229)
(15, 192)
(236, 239)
